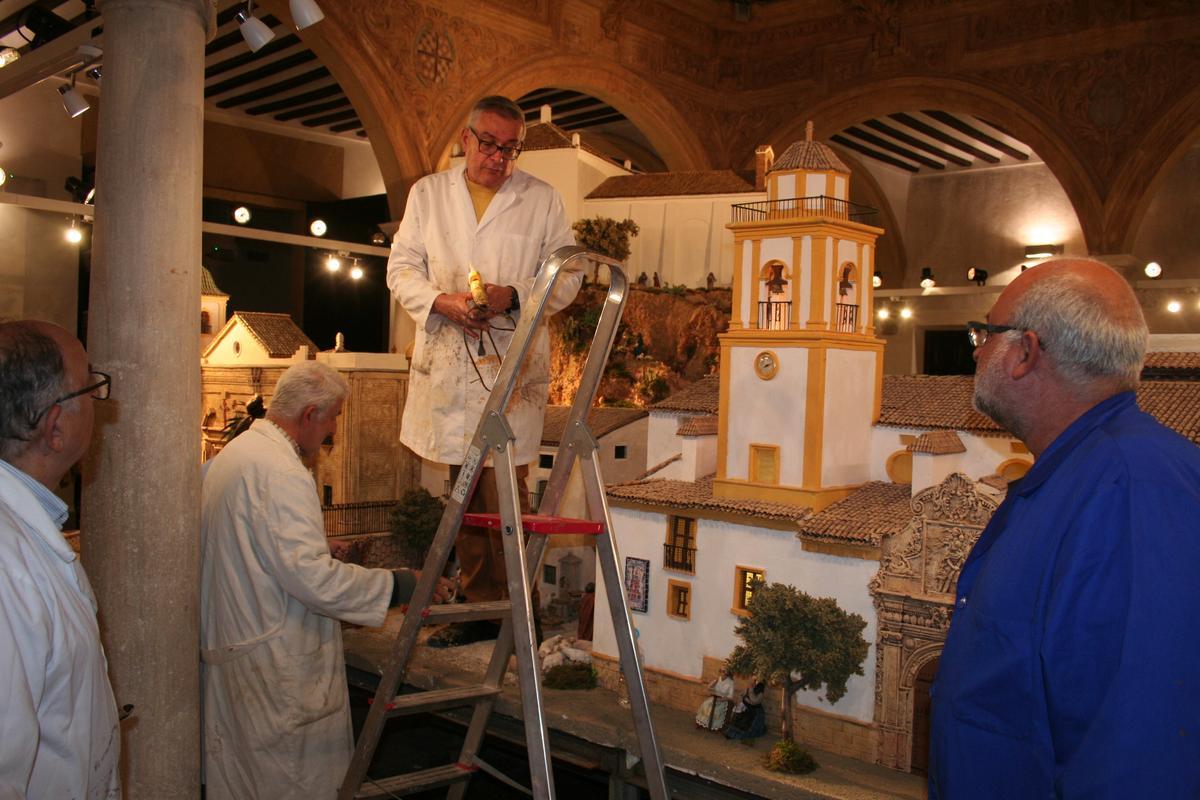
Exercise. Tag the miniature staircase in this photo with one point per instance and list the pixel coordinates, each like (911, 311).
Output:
(494, 435)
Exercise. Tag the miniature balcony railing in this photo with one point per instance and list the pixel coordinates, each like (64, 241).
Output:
(679, 557)
(846, 318)
(348, 519)
(773, 315)
(801, 207)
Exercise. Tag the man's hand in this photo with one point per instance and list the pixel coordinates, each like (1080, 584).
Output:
(443, 590)
(460, 309)
(500, 298)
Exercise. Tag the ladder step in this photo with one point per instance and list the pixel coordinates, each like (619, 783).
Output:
(467, 612)
(418, 702)
(536, 523)
(411, 782)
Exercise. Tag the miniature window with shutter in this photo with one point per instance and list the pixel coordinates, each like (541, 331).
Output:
(679, 599)
(679, 552)
(746, 580)
(764, 463)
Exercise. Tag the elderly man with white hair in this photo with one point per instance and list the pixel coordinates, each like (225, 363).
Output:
(276, 710)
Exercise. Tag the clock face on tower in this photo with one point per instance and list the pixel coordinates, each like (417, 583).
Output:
(766, 364)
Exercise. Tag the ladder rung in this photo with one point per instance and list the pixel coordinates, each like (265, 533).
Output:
(411, 782)
(417, 702)
(536, 523)
(467, 612)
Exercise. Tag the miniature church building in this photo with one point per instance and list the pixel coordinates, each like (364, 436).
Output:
(802, 324)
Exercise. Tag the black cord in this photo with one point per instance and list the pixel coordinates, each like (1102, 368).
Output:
(482, 349)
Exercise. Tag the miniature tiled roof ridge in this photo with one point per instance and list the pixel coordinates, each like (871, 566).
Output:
(601, 420)
(1171, 366)
(810, 155)
(664, 184)
(208, 286)
(698, 495)
(702, 397)
(938, 443)
(548, 136)
(865, 516)
(1175, 404)
(661, 465)
(697, 426)
(995, 481)
(279, 335)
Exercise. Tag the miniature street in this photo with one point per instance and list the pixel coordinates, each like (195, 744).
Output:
(595, 717)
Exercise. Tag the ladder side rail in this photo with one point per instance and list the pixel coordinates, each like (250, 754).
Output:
(589, 382)
(537, 740)
(618, 605)
(477, 728)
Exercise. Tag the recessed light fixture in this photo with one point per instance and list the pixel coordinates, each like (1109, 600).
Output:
(1174, 306)
(927, 281)
(241, 215)
(1153, 270)
(356, 272)
(333, 263)
(318, 227)
(906, 313)
(883, 313)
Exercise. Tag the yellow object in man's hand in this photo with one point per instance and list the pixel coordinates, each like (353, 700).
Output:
(478, 291)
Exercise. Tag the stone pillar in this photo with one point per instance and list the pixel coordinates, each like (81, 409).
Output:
(140, 505)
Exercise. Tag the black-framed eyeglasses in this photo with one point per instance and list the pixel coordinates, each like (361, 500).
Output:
(99, 390)
(489, 148)
(978, 332)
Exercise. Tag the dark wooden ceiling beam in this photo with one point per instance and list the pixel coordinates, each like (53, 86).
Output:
(903, 152)
(943, 137)
(590, 117)
(616, 116)
(354, 124)
(308, 111)
(913, 141)
(295, 100)
(269, 49)
(328, 119)
(875, 154)
(256, 75)
(280, 87)
(970, 130)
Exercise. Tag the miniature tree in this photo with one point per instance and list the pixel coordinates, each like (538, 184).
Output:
(789, 633)
(606, 236)
(415, 521)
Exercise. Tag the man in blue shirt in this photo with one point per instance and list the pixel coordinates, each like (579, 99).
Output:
(1072, 666)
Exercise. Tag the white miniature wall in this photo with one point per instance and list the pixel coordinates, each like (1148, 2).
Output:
(983, 455)
(849, 402)
(699, 457)
(752, 420)
(680, 646)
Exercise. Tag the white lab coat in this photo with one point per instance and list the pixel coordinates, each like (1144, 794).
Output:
(276, 710)
(433, 251)
(59, 736)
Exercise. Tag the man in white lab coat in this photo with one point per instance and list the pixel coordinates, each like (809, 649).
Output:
(276, 709)
(59, 735)
(502, 222)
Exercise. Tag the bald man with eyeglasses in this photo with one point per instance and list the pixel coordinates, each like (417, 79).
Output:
(489, 216)
(59, 734)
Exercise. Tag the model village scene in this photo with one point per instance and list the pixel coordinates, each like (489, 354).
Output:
(831, 369)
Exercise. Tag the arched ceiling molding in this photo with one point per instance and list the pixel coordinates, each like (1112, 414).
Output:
(880, 98)
(371, 88)
(893, 239)
(1138, 181)
(654, 114)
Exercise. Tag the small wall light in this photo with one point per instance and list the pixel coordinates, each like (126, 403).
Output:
(318, 227)
(72, 101)
(927, 281)
(883, 313)
(1153, 270)
(73, 234)
(1043, 250)
(333, 263)
(254, 30)
(877, 279)
(305, 13)
(906, 313)
(979, 276)
(356, 272)
(241, 215)
(1174, 306)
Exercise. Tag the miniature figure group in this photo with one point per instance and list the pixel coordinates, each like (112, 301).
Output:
(745, 720)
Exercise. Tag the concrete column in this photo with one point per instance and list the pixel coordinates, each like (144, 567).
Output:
(141, 485)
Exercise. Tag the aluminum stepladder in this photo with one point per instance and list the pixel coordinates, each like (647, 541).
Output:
(493, 435)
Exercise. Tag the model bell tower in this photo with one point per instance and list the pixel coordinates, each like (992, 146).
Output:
(801, 367)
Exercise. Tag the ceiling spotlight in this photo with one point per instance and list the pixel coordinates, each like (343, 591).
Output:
(90, 197)
(241, 215)
(254, 30)
(73, 234)
(1174, 306)
(877, 279)
(883, 313)
(318, 227)
(927, 281)
(333, 263)
(1153, 270)
(95, 74)
(8, 55)
(305, 13)
(979, 276)
(378, 238)
(1043, 250)
(906, 313)
(356, 272)
(72, 101)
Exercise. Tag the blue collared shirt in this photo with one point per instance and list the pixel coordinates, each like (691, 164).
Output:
(1072, 666)
(54, 505)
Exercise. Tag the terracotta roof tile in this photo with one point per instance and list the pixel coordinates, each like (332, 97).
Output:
(697, 426)
(809, 155)
(698, 495)
(663, 184)
(938, 443)
(208, 286)
(1171, 366)
(1175, 404)
(703, 397)
(661, 465)
(277, 333)
(995, 481)
(865, 516)
(602, 421)
(548, 136)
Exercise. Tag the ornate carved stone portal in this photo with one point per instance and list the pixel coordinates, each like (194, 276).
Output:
(914, 598)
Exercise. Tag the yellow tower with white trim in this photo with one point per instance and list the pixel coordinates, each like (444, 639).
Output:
(801, 367)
